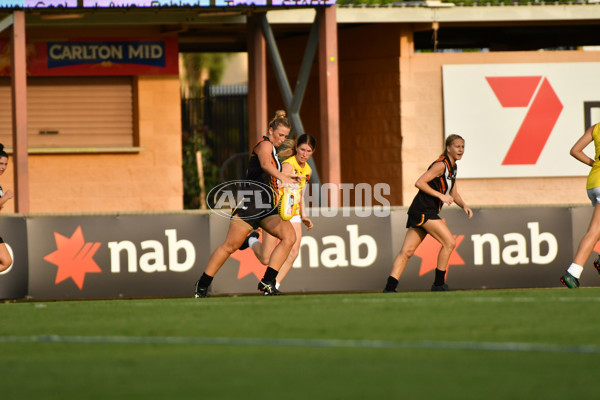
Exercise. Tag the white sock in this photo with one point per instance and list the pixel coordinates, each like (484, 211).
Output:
(575, 270)
(277, 284)
(251, 241)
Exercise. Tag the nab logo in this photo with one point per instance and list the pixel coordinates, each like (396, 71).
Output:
(73, 257)
(544, 105)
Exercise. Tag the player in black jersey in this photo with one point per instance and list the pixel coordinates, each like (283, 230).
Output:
(437, 186)
(259, 209)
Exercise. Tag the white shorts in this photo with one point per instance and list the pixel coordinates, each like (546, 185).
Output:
(594, 195)
(296, 219)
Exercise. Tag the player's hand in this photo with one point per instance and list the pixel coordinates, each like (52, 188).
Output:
(468, 211)
(290, 179)
(447, 199)
(9, 194)
(308, 223)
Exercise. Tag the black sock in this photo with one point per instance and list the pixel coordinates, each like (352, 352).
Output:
(392, 283)
(440, 277)
(270, 275)
(205, 280)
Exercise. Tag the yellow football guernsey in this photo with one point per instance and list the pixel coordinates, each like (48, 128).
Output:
(302, 171)
(593, 179)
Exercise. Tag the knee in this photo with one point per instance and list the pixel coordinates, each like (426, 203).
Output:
(5, 263)
(450, 244)
(294, 253)
(407, 253)
(263, 260)
(289, 238)
(227, 248)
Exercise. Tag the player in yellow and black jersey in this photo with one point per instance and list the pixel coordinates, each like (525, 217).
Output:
(589, 240)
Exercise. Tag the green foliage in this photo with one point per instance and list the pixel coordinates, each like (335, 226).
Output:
(193, 143)
(197, 67)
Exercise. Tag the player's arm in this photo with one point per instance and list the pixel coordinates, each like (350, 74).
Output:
(305, 220)
(577, 149)
(436, 170)
(460, 202)
(7, 196)
(264, 151)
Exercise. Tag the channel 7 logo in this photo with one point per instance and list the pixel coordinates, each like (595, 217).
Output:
(544, 105)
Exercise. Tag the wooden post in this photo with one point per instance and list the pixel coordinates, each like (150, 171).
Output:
(257, 81)
(200, 166)
(330, 105)
(19, 111)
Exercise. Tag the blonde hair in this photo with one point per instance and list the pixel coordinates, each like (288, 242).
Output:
(280, 118)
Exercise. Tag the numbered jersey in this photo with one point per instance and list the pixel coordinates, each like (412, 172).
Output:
(287, 193)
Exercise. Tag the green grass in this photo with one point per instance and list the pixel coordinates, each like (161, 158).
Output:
(517, 344)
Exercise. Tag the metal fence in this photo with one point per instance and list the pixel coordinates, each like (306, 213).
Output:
(222, 114)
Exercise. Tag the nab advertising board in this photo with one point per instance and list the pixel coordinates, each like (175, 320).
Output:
(13, 281)
(341, 253)
(162, 255)
(116, 256)
(519, 120)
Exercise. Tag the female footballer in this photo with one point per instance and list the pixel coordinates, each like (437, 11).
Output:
(437, 186)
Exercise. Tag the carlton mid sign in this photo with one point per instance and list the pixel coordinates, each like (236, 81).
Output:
(519, 120)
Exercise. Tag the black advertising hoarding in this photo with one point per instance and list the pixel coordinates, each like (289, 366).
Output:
(498, 248)
(344, 252)
(13, 281)
(116, 256)
(156, 255)
(580, 218)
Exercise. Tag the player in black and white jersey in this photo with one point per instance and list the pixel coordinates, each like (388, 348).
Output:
(259, 210)
(437, 186)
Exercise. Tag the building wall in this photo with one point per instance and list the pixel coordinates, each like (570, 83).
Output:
(371, 143)
(370, 140)
(392, 116)
(423, 130)
(144, 181)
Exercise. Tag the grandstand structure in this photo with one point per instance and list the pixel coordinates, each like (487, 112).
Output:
(371, 79)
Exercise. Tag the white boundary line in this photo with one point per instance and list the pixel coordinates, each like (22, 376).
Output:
(317, 343)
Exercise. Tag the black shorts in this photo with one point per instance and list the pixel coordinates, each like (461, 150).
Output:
(253, 216)
(417, 220)
(1, 240)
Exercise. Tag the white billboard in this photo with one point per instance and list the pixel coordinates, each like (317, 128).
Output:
(521, 120)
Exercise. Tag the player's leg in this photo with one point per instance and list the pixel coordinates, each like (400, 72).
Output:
(440, 232)
(287, 265)
(238, 230)
(586, 246)
(284, 231)
(5, 258)
(262, 250)
(412, 240)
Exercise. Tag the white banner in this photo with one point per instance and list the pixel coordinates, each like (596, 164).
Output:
(520, 120)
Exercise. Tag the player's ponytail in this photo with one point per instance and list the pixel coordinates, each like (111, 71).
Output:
(280, 118)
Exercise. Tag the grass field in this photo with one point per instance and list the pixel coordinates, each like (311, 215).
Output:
(495, 344)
